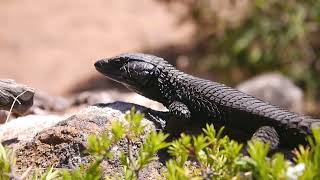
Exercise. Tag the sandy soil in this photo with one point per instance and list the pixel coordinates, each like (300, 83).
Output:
(51, 45)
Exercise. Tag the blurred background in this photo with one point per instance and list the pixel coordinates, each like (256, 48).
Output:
(52, 45)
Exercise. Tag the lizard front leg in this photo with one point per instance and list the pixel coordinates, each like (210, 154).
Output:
(179, 117)
(171, 120)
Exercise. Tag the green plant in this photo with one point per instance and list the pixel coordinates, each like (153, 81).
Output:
(7, 160)
(271, 35)
(49, 174)
(262, 167)
(309, 157)
(209, 155)
(213, 156)
(132, 163)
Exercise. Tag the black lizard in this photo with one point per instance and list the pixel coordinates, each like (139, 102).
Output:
(192, 99)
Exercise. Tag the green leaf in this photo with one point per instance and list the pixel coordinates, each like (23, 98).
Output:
(118, 130)
(134, 119)
(244, 41)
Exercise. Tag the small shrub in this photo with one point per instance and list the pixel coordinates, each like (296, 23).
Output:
(271, 35)
(206, 156)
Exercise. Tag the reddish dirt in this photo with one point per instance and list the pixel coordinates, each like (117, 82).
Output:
(51, 45)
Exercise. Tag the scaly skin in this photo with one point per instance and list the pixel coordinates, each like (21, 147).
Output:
(189, 97)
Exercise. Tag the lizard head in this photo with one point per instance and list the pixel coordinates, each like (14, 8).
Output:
(134, 70)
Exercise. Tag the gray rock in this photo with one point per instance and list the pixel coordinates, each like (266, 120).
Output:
(3, 116)
(9, 91)
(24, 128)
(49, 110)
(276, 89)
(47, 103)
(64, 144)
